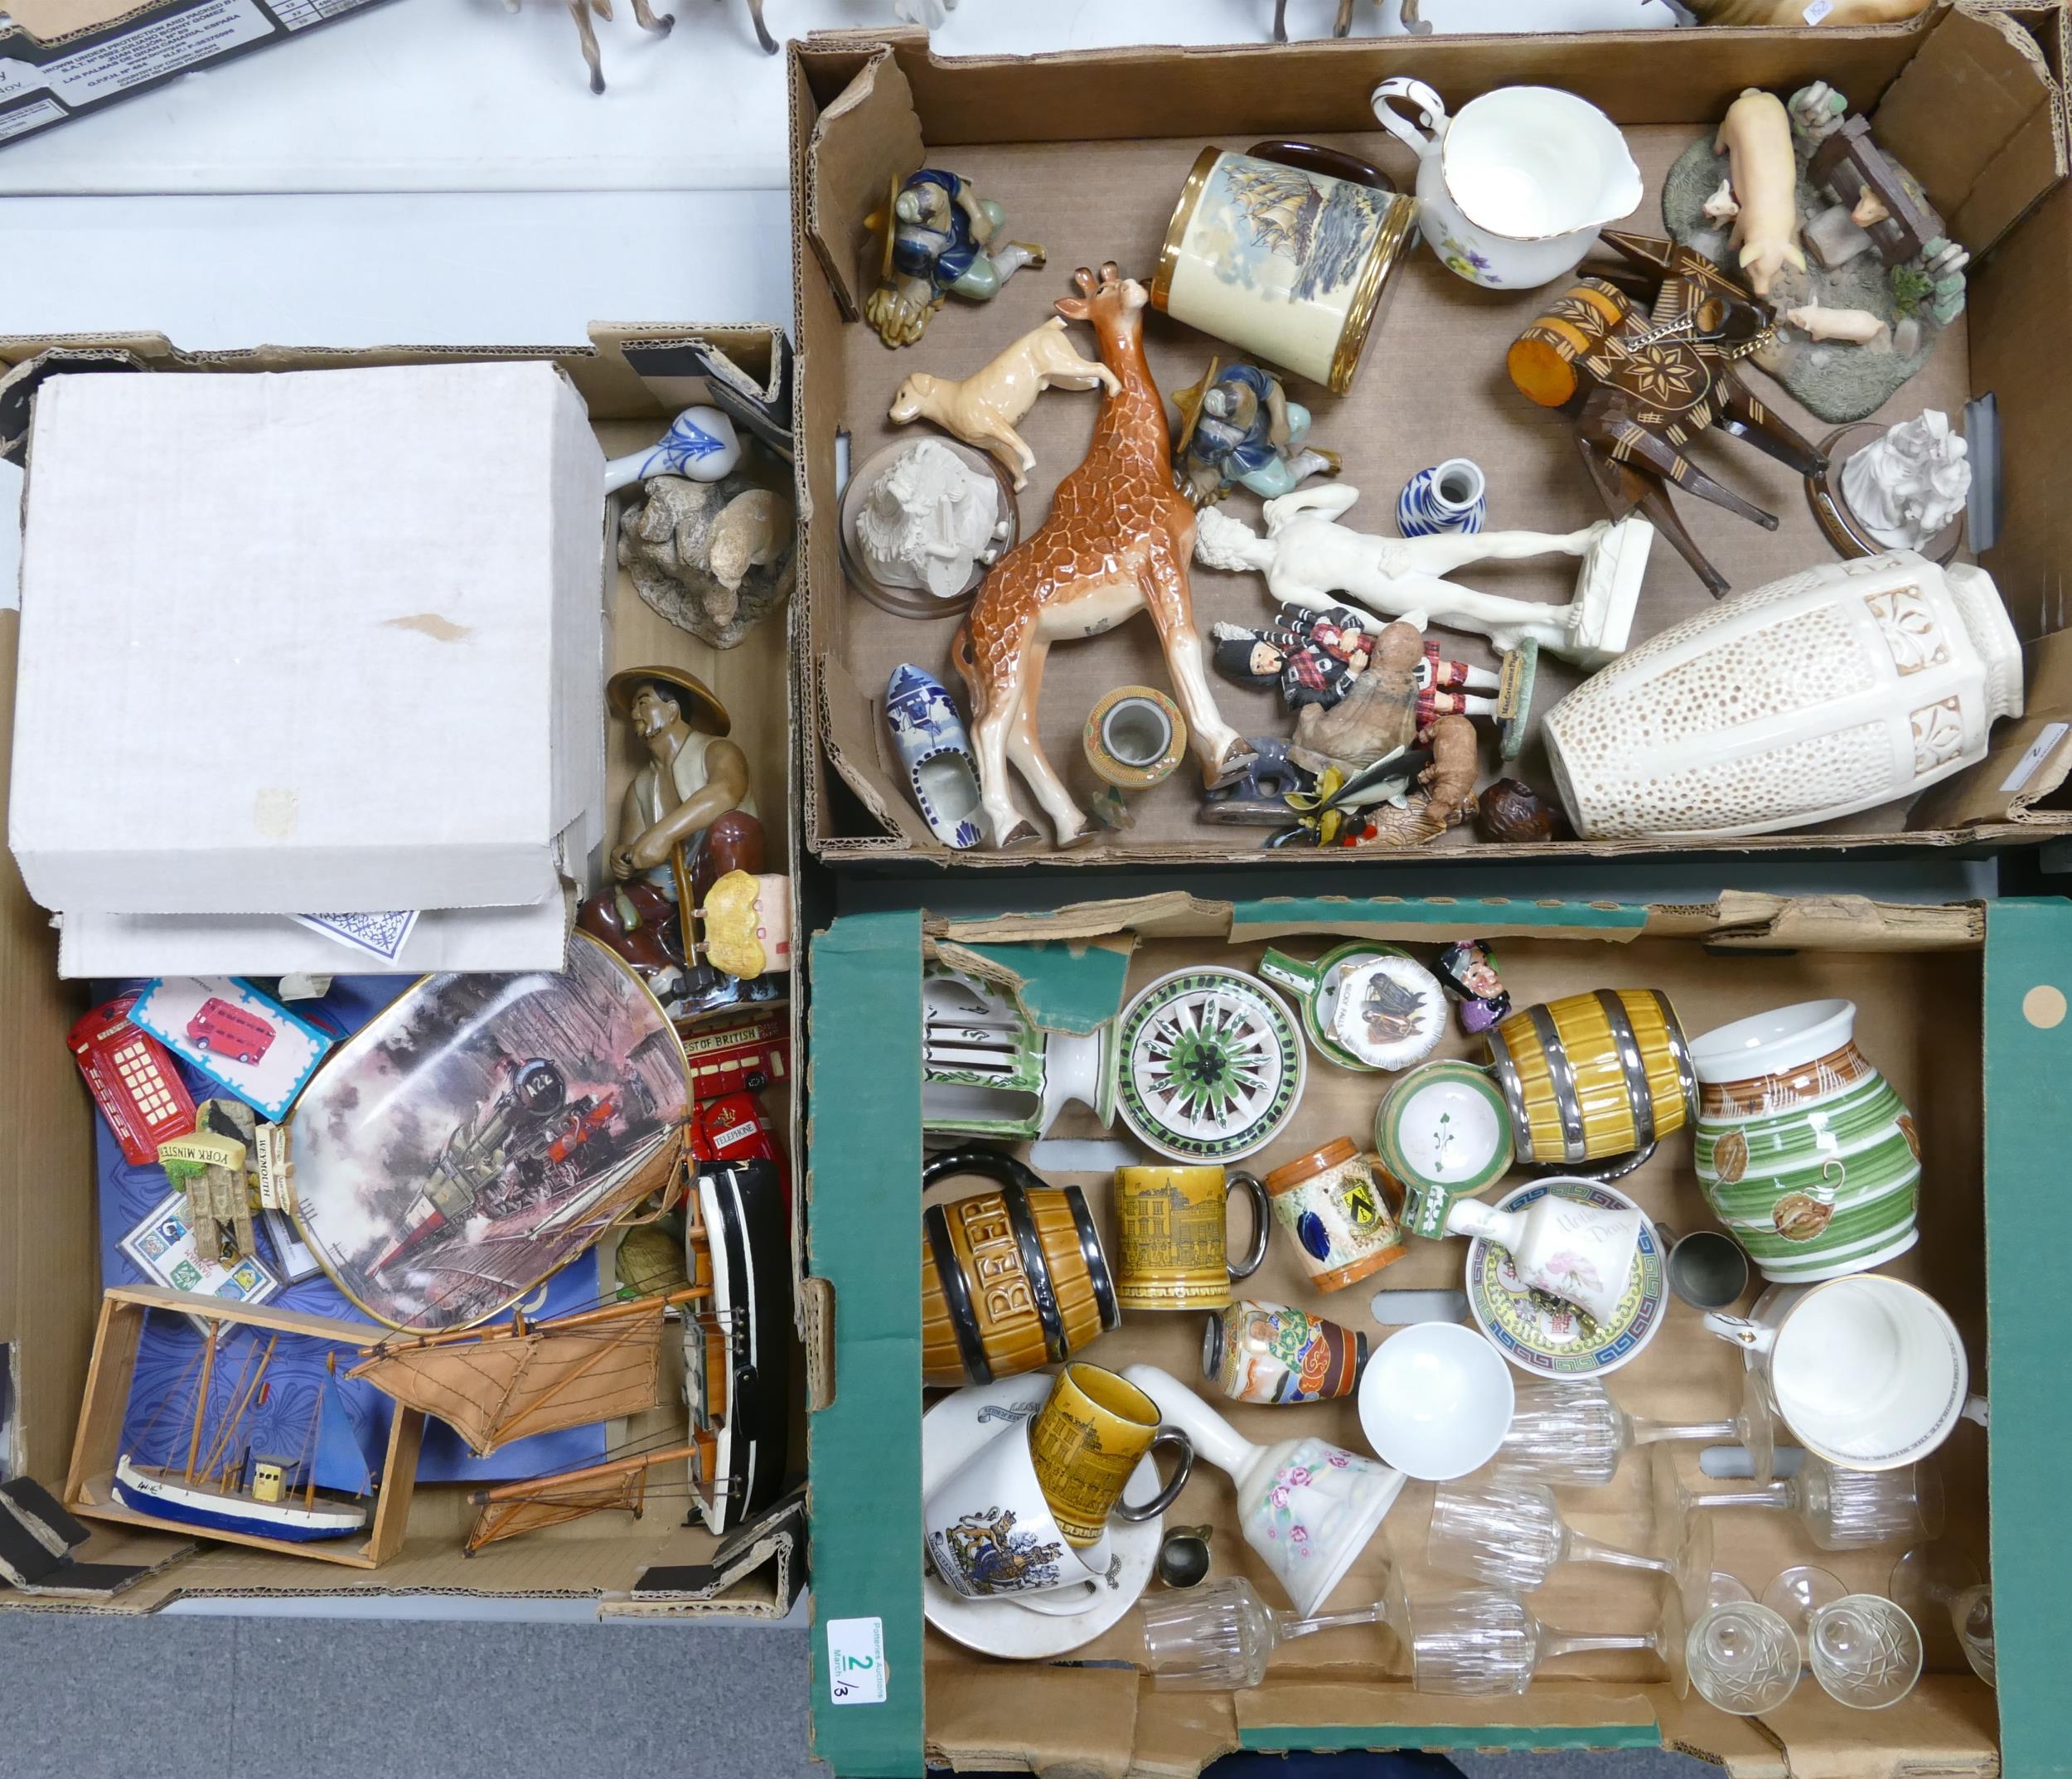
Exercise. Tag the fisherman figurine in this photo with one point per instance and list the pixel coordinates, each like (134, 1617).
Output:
(1237, 425)
(689, 818)
(939, 236)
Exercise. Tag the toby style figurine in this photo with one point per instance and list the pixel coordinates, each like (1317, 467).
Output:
(689, 818)
(1470, 975)
(1238, 426)
(939, 236)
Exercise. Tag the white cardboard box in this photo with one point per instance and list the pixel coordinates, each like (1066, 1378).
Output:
(344, 627)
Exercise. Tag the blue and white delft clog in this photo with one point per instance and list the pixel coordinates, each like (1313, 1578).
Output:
(940, 771)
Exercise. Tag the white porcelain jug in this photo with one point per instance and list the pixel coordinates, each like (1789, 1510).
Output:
(1308, 1507)
(1511, 192)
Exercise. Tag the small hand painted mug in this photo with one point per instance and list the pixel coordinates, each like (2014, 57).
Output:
(1340, 1206)
(1087, 1440)
(1275, 1353)
(1175, 1243)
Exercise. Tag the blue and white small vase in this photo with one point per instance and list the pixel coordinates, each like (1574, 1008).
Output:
(1449, 496)
(700, 443)
(940, 771)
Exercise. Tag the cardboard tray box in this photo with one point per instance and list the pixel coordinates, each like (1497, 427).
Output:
(1088, 152)
(1963, 1006)
(633, 379)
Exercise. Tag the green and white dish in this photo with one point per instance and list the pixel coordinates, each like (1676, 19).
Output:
(1443, 1133)
(1548, 1336)
(1213, 1065)
(1315, 988)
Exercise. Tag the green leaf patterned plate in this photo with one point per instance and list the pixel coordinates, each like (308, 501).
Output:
(1213, 1065)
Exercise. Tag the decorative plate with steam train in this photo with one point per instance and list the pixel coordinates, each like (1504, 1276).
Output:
(1213, 1065)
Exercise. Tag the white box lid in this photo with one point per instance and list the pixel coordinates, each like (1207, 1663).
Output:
(328, 639)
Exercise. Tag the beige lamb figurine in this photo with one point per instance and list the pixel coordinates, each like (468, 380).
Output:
(1756, 135)
(983, 408)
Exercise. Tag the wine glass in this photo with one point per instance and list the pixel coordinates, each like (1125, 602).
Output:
(1486, 1640)
(1572, 1432)
(1512, 1535)
(1220, 1636)
(1844, 1510)
(1743, 1657)
(1863, 1649)
(1937, 1582)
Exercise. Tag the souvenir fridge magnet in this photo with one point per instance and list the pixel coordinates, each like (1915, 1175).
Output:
(482, 1132)
(163, 1247)
(982, 409)
(1213, 1068)
(132, 1079)
(938, 237)
(233, 1035)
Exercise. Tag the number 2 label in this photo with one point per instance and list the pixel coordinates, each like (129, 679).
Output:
(856, 1661)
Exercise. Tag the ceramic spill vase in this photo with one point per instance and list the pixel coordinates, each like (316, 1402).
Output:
(1174, 1246)
(1600, 1077)
(1341, 1208)
(1308, 1507)
(1011, 1278)
(1512, 190)
(1449, 496)
(1839, 688)
(1804, 1150)
(1087, 1440)
(1287, 252)
(1275, 1353)
(987, 1070)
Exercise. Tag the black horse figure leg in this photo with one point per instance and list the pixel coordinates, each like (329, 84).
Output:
(1745, 417)
(1624, 488)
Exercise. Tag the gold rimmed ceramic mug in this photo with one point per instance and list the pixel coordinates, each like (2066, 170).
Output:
(1174, 1250)
(1087, 1440)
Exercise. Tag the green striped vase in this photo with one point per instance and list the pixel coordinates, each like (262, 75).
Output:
(1818, 1185)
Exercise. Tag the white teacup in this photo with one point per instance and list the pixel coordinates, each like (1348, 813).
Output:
(992, 1536)
(1867, 1371)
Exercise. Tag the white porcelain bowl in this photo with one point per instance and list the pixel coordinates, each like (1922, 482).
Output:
(1435, 1401)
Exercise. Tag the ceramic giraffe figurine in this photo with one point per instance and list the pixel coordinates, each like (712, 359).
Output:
(1118, 540)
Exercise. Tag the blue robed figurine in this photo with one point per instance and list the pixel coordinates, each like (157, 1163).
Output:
(939, 236)
(1237, 425)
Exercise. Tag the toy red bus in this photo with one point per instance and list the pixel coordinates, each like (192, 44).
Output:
(221, 1028)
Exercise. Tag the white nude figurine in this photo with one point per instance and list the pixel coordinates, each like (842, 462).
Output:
(1310, 560)
(982, 409)
(1906, 488)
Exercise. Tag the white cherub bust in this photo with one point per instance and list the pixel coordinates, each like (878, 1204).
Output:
(1907, 487)
(1310, 560)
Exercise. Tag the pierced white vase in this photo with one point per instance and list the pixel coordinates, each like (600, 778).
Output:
(1836, 690)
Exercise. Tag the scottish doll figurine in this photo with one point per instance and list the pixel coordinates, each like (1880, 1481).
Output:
(1237, 425)
(1312, 657)
(940, 236)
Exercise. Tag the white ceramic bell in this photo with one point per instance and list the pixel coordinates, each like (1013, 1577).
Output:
(1848, 685)
(1308, 1507)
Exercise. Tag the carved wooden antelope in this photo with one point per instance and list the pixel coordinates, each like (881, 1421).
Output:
(1118, 540)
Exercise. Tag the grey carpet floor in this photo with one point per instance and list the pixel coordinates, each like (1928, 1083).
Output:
(307, 1699)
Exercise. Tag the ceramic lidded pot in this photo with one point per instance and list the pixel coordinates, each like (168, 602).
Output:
(1832, 690)
(1804, 1150)
(1341, 1208)
(1309, 1508)
(1287, 251)
(1012, 1278)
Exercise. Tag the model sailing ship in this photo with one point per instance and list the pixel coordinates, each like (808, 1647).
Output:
(226, 1485)
(493, 1385)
